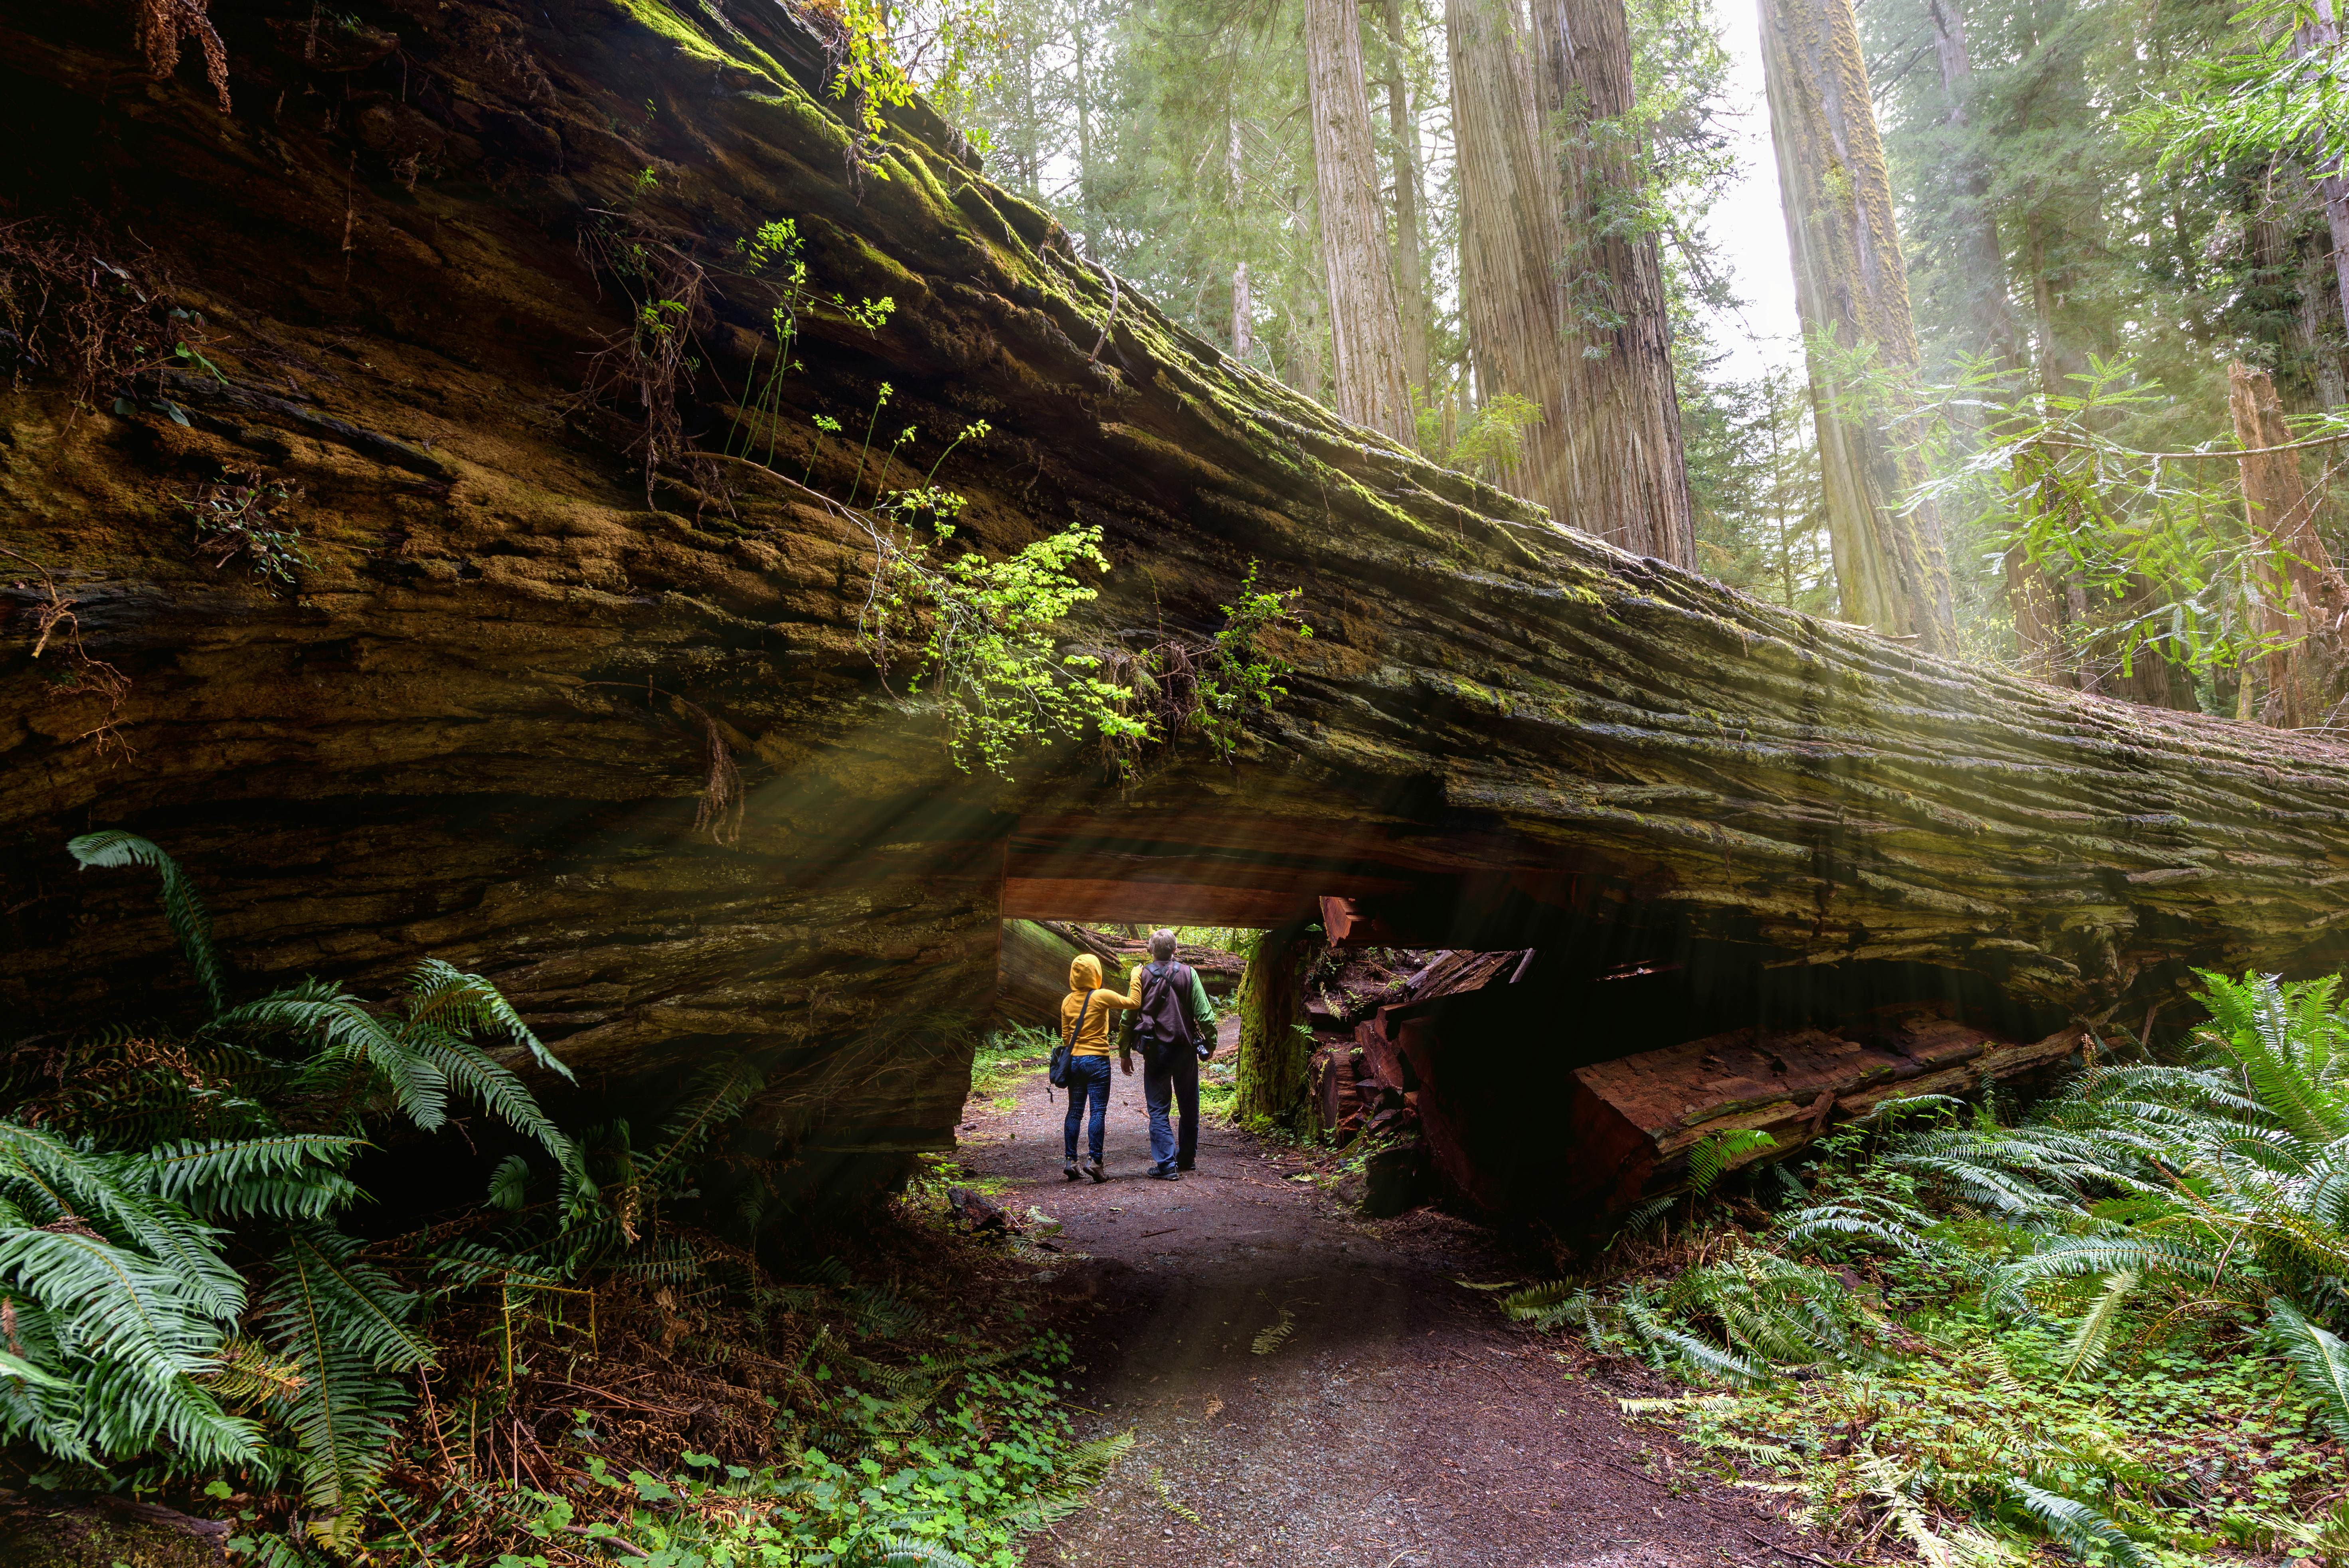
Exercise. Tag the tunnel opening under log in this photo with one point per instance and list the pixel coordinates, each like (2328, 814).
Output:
(1549, 1046)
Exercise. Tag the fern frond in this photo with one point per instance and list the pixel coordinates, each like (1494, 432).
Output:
(510, 1183)
(291, 1176)
(190, 921)
(1270, 1339)
(2076, 1524)
(2085, 1350)
(1079, 1471)
(465, 1066)
(1706, 1357)
(341, 1324)
(66, 1185)
(441, 990)
(356, 1049)
(2319, 1360)
(904, 1550)
(131, 1341)
(719, 1093)
(1716, 1153)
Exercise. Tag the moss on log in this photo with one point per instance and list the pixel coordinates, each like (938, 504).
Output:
(479, 723)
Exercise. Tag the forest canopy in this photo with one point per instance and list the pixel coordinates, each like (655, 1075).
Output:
(2099, 210)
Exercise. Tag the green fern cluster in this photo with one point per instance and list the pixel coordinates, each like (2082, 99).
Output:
(178, 1296)
(129, 1334)
(2206, 1199)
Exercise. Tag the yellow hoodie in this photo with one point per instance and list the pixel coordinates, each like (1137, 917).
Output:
(1085, 980)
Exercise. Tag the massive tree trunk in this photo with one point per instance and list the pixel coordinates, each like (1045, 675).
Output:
(1366, 330)
(1236, 198)
(1625, 473)
(480, 721)
(1851, 292)
(1410, 263)
(1509, 291)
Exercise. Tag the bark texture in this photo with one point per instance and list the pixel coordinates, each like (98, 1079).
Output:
(1508, 239)
(2303, 595)
(1366, 329)
(465, 731)
(1274, 1081)
(1851, 289)
(1409, 243)
(1625, 473)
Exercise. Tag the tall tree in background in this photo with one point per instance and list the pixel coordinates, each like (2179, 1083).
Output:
(1626, 477)
(1510, 299)
(1851, 292)
(1366, 329)
(1411, 196)
(1971, 220)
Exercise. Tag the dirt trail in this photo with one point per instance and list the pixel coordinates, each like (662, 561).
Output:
(1398, 1423)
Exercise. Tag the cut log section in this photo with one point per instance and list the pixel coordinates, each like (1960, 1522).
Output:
(1513, 1122)
(1633, 1121)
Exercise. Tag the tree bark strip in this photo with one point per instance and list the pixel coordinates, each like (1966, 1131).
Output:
(1626, 472)
(1508, 239)
(1366, 330)
(2302, 594)
(1411, 261)
(1851, 292)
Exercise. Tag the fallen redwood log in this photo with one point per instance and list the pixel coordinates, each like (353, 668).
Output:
(482, 724)
(1032, 972)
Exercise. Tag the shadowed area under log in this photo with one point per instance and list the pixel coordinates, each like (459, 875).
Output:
(481, 721)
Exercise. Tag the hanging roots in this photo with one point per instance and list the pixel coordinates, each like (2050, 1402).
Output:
(164, 28)
(56, 626)
(718, 812)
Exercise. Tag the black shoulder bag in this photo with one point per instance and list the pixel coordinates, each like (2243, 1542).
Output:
(1059, 1071)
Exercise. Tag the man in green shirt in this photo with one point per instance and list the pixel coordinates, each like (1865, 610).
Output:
(1175, 1024)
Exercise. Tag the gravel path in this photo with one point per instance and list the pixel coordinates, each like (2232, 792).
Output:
(1309, 1388)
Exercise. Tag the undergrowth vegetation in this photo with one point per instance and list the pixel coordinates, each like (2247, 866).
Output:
(2110, 1324)
(989, 643)
(577, 1365)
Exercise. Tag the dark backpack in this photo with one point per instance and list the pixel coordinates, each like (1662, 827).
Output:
(1164, 1019)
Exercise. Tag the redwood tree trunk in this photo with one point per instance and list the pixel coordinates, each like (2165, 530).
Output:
(1366, 329)
(1509, 229)
(1851, 291)
(1981, 257)
(1410, 244)
(1625, 473)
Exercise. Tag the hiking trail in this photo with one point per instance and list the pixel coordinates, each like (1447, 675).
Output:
(1310, 1387)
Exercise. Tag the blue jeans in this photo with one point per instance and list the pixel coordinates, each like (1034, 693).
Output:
(1088, 1080)
(1175, 1077)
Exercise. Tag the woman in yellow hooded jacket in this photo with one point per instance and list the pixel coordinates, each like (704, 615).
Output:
(1084, 1024)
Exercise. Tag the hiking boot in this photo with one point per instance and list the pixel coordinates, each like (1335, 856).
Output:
(1185, 1165)
(1068, 1172)
(1093, 1169)
(1165, 1173)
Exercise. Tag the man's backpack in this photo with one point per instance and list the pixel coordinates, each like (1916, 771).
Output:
(1162, 1022)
